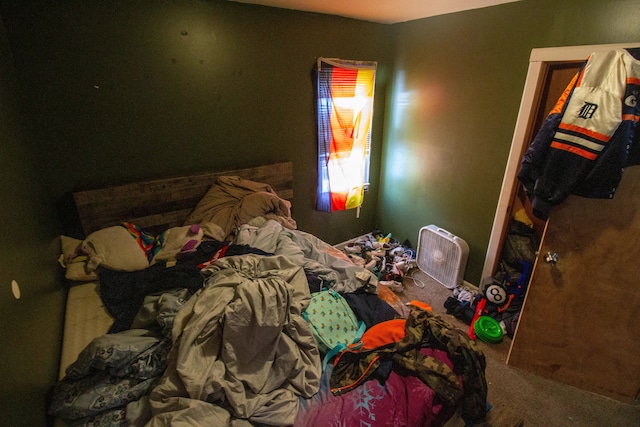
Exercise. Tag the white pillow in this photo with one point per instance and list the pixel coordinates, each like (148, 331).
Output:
(114, 248)
(73, 262)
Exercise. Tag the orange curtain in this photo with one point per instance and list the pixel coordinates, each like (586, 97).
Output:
(345, 91)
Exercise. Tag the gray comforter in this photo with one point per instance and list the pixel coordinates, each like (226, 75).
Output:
(238, 352)
(306, 250)
(117, 369)
(242, 350)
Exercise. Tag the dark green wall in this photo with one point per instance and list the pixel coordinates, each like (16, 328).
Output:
(30, 326)
(98, 92)
(456, 92)
(124, 90)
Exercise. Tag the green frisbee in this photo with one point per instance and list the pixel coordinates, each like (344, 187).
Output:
(488, 329)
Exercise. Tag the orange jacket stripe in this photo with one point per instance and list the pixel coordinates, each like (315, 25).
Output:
(584, 131)
(575, 150)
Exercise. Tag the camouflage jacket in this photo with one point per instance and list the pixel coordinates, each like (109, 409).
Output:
(465, 384)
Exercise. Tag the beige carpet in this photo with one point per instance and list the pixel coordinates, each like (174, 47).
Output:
(517, 397)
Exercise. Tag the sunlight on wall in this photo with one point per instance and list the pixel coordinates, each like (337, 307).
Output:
(401, 100)
(401, 159)
(412, 141)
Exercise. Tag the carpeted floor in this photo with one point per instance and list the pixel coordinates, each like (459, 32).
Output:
(518, 397)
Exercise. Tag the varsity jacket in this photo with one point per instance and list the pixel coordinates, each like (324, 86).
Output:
(589, 136)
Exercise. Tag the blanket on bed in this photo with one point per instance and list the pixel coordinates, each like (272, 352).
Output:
(239, 350)
(123, 292)
(117, 369)
(241, 347)
(326, 262)
(233, 201)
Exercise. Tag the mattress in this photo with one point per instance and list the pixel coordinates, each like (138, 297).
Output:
(85, 319)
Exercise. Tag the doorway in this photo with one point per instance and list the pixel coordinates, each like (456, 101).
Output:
(586, 298)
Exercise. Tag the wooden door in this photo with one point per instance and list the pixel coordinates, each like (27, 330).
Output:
(579, 324)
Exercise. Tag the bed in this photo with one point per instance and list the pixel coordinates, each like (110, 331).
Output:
(186, 306)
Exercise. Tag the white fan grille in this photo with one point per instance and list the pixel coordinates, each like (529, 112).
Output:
(442, 255)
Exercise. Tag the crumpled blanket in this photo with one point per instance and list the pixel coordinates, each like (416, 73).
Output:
(242, 349)
(336, 271)
(123, 292)
(233, 201)
(115, 370)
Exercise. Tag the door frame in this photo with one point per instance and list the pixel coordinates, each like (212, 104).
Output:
(539, 61)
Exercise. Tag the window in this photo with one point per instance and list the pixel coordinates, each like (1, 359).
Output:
(344, 95)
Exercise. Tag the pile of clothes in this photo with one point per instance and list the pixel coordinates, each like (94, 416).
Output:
(383, 255)
(502, 298)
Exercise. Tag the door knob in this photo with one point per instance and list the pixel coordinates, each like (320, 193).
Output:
(551, 258)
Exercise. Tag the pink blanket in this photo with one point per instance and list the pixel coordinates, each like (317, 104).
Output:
(401, 401)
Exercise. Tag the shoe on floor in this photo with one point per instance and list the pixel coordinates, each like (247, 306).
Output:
(393, 285)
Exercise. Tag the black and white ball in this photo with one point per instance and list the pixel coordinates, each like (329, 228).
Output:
(496, 294)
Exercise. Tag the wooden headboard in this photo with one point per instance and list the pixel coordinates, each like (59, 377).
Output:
(158, 204)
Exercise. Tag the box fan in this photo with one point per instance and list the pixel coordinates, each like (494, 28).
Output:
(442, 255)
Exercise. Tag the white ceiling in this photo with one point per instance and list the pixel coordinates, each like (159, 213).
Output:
(383, 11)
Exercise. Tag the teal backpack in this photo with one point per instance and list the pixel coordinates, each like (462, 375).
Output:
(333, 322)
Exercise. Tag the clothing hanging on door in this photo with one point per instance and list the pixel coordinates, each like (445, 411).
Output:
(589, 136)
